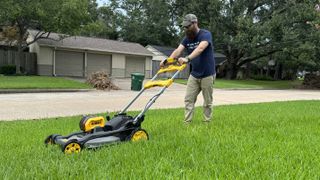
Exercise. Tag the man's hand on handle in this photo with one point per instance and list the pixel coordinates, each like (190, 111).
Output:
(183, 60)
(162, 63)
(180, 61)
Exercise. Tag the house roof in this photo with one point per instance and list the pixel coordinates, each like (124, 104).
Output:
(95, 44)
(168, 50)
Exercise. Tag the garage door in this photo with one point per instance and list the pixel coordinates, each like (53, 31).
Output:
(69, 63)
(135, 65)
(98, 62)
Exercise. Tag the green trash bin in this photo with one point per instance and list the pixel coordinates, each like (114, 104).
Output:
(136, 81)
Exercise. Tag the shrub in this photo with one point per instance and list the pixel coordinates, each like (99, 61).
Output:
(311, 81)
(101, 80)
(8, 70)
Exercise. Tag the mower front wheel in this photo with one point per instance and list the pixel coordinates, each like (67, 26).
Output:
(72, 147)
(139, 135)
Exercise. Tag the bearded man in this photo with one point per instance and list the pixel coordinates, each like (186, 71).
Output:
(199, 46)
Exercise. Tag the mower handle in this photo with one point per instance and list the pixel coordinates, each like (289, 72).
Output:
(169, 61)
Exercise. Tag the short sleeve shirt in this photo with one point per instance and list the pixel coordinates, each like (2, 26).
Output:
(204, 64)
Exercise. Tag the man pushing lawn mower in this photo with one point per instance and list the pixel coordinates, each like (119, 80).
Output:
(199, 46)
(96, 131)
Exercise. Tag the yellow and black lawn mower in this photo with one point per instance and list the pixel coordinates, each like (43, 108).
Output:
(97, 131)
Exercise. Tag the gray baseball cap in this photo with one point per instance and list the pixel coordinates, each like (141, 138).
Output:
(188, 19)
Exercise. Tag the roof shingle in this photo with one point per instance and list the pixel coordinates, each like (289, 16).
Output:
(96, 44)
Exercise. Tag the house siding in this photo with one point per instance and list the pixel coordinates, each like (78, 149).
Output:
(118, 72)
(118, 65)
(45, 70)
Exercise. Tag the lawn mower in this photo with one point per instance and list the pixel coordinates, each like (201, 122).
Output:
(97, 131)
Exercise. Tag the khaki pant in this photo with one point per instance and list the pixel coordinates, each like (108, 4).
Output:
(194, 86)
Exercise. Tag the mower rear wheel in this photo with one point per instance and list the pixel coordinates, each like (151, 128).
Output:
(139, 135)
(72, 147)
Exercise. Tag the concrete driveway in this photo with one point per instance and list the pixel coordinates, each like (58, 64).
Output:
(43, 105)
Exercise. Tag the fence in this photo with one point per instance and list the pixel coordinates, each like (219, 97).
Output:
(28, 63)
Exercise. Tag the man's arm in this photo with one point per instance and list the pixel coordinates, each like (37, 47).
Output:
(176, 53)
(201, 47)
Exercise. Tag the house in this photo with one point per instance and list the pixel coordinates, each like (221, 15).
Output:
(80, 56)
(160, 53)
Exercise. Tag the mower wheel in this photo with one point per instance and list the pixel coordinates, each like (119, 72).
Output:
(72, 146)
(138, 135)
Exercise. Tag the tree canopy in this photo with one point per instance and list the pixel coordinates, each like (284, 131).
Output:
(61, 16)
(287, 31)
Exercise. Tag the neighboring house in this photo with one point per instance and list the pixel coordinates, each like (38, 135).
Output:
(160, 53)
(80, 56)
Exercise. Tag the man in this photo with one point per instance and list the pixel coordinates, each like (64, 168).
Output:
(199, 46)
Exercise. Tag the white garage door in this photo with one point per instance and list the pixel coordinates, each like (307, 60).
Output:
(69, 63)
(98, 62)
(134, 65)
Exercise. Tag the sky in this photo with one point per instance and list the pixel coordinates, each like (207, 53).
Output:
(101, 2)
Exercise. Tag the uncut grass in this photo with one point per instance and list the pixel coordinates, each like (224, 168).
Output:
(270, 140)
(40, 82)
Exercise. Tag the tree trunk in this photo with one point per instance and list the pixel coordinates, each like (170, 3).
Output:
(247, 71)
(278, 71)
(232, 70)
(268, 71)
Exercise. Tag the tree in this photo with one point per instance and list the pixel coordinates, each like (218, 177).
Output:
(264, 29)
(148, 22)
(62, 16)
(105, 21)
(249, 30)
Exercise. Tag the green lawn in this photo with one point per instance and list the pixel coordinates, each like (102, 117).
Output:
(39, 82)
(256, 141)
(251, 84)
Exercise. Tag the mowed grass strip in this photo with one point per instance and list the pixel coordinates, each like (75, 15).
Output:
(40, 82)
(251, 84)
(257, 141)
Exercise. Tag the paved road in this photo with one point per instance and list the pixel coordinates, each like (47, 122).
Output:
(42, 105)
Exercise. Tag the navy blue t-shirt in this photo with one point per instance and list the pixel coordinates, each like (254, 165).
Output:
(204, 64)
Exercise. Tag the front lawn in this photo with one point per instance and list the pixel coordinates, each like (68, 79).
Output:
(39, 82)
(251, 84)
(255, 141)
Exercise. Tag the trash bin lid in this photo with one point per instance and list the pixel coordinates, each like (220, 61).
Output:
(137, 74)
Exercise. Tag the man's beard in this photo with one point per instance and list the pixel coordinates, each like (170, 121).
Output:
(191, 34)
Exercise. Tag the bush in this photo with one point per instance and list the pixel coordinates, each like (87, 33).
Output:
(261, 77)
(8, 70)
(311, 81)
(101, 80)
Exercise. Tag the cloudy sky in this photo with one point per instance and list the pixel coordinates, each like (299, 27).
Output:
(101, 2)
